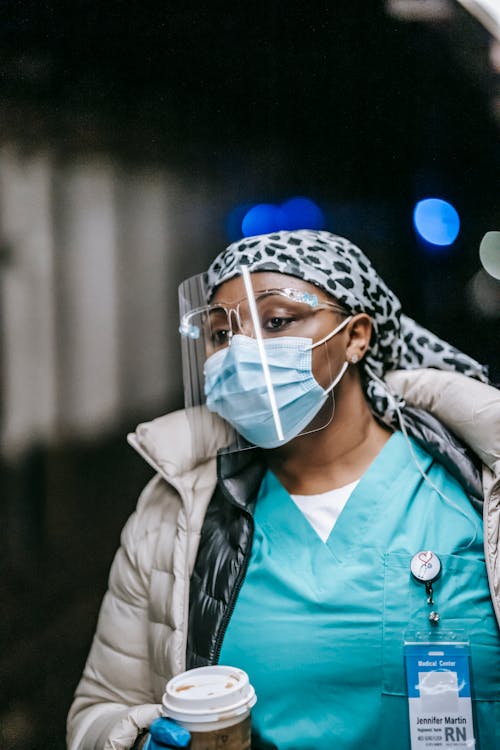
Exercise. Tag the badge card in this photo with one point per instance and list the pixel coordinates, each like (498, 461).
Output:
(439, 696)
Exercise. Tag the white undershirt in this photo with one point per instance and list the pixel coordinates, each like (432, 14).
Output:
(323, 510)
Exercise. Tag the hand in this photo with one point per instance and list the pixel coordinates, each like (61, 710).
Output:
(166, 733)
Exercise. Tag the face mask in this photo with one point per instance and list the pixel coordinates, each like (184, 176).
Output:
(236, 389)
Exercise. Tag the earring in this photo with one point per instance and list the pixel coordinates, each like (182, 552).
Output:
(354, 359)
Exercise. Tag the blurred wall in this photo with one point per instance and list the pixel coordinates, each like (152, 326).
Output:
(93, 253)
(89, 295)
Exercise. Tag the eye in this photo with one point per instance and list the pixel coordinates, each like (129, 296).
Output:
(220, 337)
(217, 328)
(278, 314)
(276, 323)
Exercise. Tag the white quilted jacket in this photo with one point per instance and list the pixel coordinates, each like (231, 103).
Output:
(140, 641)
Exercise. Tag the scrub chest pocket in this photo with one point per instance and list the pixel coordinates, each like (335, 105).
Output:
(462, 598)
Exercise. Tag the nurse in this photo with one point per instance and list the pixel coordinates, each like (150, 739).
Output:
(306, 490)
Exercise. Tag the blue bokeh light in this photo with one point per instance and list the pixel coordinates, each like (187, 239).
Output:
(436, 221)
(302, 213)
(295, 213)
(262, 219)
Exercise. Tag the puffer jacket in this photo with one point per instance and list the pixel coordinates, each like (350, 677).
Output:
(147, 630)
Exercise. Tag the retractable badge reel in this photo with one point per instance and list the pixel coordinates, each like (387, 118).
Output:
(437, 671)
(425, 568)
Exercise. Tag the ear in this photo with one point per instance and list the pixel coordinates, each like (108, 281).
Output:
(359, 331)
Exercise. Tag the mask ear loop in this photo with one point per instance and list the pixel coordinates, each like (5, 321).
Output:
(338, 378)
(332, 333)
(342, 370)
(323, 341)
(398, 403)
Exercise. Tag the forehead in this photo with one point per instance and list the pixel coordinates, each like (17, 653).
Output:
(233, 291)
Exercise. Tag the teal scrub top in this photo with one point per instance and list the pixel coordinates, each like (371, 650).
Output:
(319, 627)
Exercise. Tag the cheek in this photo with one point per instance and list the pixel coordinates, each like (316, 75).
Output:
(326, 362)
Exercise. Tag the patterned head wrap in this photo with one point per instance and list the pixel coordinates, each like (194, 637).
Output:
(338, 267)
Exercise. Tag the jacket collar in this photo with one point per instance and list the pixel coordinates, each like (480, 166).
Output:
(177, 443)
(240, 474)
(468, 408)
(167, 444)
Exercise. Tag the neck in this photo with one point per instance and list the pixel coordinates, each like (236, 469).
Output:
(334, 455)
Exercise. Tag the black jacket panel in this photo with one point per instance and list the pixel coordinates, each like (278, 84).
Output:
(223, 554)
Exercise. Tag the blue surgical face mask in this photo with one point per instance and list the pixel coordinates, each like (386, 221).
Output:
(236, 387)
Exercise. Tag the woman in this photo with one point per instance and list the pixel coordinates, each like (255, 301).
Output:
(283, 545)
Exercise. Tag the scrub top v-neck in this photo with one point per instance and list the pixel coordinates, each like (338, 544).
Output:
(319, 626)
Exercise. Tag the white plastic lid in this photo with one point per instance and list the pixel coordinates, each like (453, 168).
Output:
(208, 694)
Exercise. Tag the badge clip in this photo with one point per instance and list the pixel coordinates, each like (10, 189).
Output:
(425, 568)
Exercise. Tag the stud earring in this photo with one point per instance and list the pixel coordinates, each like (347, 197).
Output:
(354, 359)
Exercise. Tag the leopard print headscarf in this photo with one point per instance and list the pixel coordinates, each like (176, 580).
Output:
(338, 267)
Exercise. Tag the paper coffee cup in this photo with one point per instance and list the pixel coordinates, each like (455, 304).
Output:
(208, 699)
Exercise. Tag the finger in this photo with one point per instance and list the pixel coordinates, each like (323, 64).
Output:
(168, 733)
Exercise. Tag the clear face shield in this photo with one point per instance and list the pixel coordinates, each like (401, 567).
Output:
(248, 358)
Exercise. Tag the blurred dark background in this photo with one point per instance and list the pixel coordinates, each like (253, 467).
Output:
(132, 140)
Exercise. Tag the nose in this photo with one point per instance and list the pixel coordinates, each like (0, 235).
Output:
(236, 325)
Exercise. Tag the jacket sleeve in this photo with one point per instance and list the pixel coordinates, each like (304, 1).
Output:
(114, 699)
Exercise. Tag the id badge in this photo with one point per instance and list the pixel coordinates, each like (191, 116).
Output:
(439, 696)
